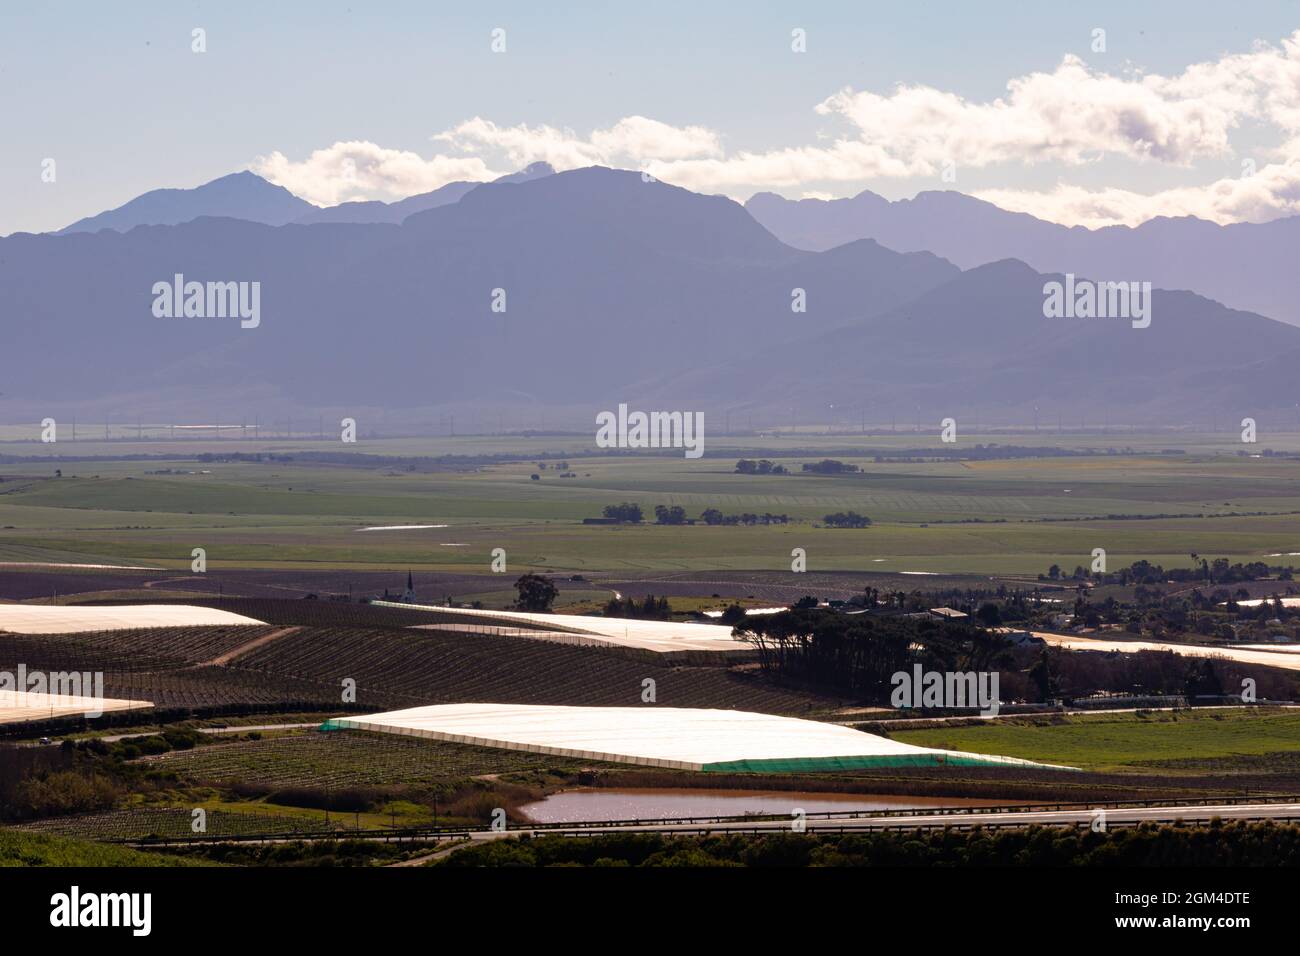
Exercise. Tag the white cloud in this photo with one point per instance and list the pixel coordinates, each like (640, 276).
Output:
(631, 141)
(1070, 116)
(363, 170)
(845, 161)
(1271, 192)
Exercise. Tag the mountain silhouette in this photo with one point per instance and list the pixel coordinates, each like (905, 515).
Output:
(606, 279)
(239, 196)
(375, 211)
(1244, 265)
(980, 345)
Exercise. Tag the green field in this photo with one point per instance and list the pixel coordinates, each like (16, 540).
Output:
(1011, 517)
(1117, 741)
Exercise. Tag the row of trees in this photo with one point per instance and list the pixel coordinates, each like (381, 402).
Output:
(1218, 571)
(651, 609)
(630, 513)
(675, 514)
(830, 466)
(713, 516)
(846, 519)
(624, 511)
(859, 654)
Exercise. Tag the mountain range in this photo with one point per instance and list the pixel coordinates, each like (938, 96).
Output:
(239, 196)
(249, 197)
(1245, 265)
(375, 211)
(561, 294)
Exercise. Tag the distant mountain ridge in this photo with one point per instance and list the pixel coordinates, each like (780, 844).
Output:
(579, 290)
(237, 196)
(605, 280)
(981, 344)
(394, 212)
(251, 198)
(1245, 265)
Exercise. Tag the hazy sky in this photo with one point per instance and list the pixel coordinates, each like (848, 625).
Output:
(342, 101)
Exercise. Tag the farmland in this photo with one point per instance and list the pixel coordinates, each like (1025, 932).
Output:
(1204, 740)
(347, 759)
(141, 823)
(282, 529)
(304, 669)
(1013, 515)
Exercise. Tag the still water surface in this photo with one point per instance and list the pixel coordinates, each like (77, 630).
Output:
(575, 806)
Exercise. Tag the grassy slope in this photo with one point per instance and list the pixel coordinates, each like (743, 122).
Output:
(34, 849)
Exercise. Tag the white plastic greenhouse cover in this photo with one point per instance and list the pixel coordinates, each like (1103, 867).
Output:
(672, 737)
(661, 636)
(23, 706)
(55, 619)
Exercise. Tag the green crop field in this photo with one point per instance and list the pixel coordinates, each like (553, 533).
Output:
(1008, 516)
(1113, 741)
